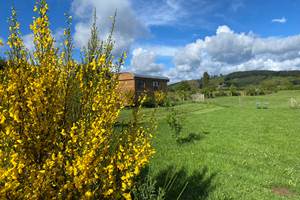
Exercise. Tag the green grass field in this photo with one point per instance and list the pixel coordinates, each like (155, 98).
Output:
(242, 152)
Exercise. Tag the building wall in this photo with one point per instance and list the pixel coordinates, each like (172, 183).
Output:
(131, 87)
(126, 82)
(127, 85)
(125, 76)
(148, 85)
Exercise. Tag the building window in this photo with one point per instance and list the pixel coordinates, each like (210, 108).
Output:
(155, 85)
(140, 84)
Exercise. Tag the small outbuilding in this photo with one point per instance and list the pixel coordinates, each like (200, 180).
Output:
(138, 83)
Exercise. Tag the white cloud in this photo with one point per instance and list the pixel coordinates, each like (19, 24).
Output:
(223, 29)
(188, 55)
(145, 58)
(128, 27)
(166, 51)
(28, 41)
(280, 20)
(228, 51)
(224, 52)
(160, 12)
(226, 46)
(59, 37)
(144, 61)
(183, 12)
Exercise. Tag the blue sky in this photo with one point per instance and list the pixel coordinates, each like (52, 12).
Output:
(181, 38)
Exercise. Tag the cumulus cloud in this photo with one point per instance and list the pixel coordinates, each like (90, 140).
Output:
(228, 51)
(226, 46)
(128, 28)
(223, 29)
(144, 61)
(280, 20)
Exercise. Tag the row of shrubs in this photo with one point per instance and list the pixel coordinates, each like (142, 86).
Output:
(173, 98)
(169, 99)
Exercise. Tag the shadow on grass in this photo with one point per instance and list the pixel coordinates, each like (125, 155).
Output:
(192, 137)
(198, 185)
(121, 125)
(176, 184)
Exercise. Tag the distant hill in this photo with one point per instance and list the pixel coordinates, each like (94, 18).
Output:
(241, 80)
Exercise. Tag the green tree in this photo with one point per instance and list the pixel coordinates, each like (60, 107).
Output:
(233, 90)
(184, 86)
(205, 80)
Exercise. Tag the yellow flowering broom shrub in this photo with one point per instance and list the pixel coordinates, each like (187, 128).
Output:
(57, 122)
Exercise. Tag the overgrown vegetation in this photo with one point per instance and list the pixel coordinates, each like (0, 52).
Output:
(57, 120)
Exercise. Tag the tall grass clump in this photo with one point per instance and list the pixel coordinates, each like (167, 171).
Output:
(57, 120)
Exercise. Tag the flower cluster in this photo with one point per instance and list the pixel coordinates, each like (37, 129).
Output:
(159, 97)
(58, 135)
(17, 51)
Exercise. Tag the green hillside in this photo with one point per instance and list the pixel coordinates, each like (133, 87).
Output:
(242, 80)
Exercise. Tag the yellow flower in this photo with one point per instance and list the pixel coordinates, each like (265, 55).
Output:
(15, 115)
(66, 42)
(60, 116)
(2, 119)
(127, 196)
(88, 194)
(136, 170)
(108, 192)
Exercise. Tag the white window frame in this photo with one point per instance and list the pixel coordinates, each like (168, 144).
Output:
(155, 84)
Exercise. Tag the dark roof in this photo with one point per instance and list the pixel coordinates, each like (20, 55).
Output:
(150, 76)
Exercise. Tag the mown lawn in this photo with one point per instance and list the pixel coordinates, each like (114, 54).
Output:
(242, 152)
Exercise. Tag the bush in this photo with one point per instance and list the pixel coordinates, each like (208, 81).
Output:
(169, 102)
(176, 98)
(147, 189)
(254, 91)
(208, 92)
(129, 98)
(175, 123)
(149, 101)
(220, 93)
(160, 98)
(57, 121)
